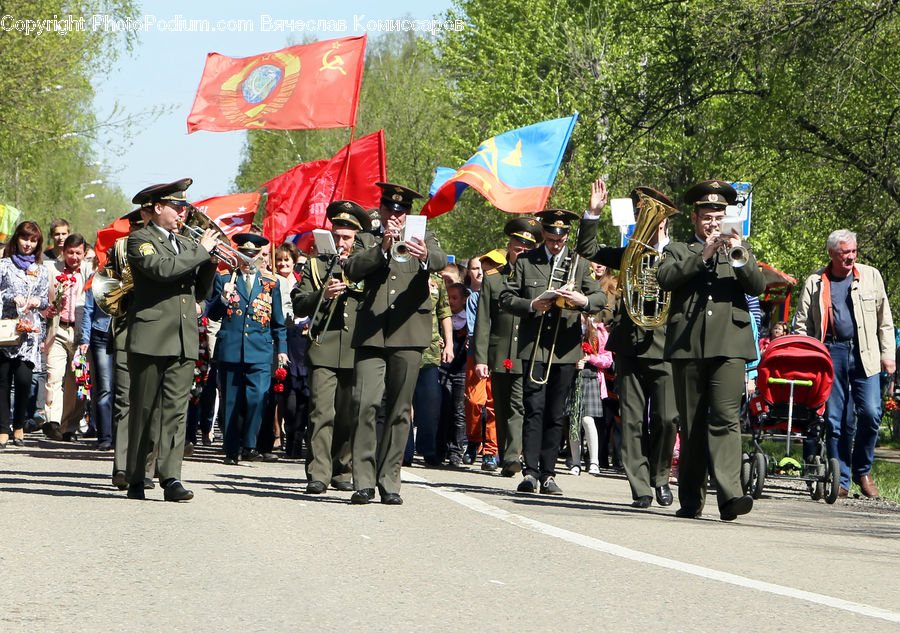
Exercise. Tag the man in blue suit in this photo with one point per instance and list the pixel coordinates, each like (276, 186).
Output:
(249, 304)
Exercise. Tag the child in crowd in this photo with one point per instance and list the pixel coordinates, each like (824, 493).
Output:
(593, 392)
(452, 424)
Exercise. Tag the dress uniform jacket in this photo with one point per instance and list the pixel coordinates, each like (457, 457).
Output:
(252, 329)
(162, 320)
(335, 350)
(496, 337)
(395, 310)
(708, 315)
(530, 278)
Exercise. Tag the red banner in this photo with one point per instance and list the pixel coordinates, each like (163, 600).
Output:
(297, 88)
(106, 237)
(233, 214)
(298, 198)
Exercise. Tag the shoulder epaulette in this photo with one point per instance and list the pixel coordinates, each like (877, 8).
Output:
(225, 272)
(492, 271)
(267, 274)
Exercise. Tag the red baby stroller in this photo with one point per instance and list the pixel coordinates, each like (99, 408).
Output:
(794, 380)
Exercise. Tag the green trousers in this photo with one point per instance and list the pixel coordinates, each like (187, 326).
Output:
(160, 388)
(708, 393)
(647, 441)
(509, 411)
(390, 373)
(331, 422)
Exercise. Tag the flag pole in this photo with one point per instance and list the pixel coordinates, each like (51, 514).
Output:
(346, 169)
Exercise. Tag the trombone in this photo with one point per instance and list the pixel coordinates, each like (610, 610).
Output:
(318, 338)
(562, 276)
(193, 227)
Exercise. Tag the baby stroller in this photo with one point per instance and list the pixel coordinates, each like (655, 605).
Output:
(794, 381)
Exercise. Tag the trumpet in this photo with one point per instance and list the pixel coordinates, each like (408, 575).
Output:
(737, 257)
(195, 224)
(562, 277)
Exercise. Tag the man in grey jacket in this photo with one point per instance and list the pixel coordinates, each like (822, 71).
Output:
(845, 306)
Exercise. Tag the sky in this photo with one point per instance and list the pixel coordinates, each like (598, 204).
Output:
(164, 69)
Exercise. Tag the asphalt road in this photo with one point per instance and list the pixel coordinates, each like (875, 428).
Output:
(252, 552)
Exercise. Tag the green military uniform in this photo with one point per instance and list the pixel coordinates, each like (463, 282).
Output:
(163, 340)
(643, 377)
(393, 327)
(709, 340)
(331, 413)
(496, 344)
(545, 403)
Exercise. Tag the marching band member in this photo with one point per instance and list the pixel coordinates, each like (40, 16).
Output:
(393, 327)
(642, 374)
(709, 340)
(549, 363)
(495, 343)
(331, 414)
(248, 303)
(170, 274)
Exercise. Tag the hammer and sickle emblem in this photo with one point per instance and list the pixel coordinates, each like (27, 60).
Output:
(335, 63)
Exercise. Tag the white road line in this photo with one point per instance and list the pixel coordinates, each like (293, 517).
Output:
(641, 557)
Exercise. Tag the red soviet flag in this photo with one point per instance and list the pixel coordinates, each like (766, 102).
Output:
(233, 214)
(297, 88)
(298, 198)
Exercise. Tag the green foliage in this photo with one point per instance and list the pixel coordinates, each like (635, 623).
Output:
(798, 98)
(46, 120)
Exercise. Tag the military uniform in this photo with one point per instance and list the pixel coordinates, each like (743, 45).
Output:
(393, 327)
(330, 357)
(495, 343)
(252, 333)
(709, 340)
(545, 403)
(162, 342)
(643, 377)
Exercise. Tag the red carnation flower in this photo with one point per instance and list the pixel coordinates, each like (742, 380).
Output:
(280, 373)
(890, 404)
(507, 364)
(586, 348)
(278, 388)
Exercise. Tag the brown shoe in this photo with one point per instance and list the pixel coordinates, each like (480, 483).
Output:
(868, 487)
(843, 493)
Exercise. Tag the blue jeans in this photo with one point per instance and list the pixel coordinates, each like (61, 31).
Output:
(103, 353)
(426, 411)
(857, 420)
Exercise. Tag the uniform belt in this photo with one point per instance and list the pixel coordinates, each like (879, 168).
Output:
(830, 340)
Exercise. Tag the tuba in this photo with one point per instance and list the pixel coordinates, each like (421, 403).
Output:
(562, 276)
(646, 303)
(113, 284)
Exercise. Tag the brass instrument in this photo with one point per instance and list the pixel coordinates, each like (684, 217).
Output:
(737, 256)
(562, 277)
(193, 227)
(647, 305)
(112, 284)
(317, 338)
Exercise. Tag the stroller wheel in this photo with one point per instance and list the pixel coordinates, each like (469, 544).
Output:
(757, 474)
(745, 472)
(832, 480)
(817, 487)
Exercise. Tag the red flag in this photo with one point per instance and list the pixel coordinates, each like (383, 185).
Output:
(106, 237)
(297, 88)
(298, 198)
(233, 214)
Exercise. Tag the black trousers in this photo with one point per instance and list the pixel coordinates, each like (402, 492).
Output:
(545, 411)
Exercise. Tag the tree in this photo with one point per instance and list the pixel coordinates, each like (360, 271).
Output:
(46, 117)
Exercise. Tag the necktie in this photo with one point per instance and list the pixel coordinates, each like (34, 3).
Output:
(248, 281)
(174, 243)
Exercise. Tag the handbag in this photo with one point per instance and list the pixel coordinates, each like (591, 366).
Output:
(9, 332)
